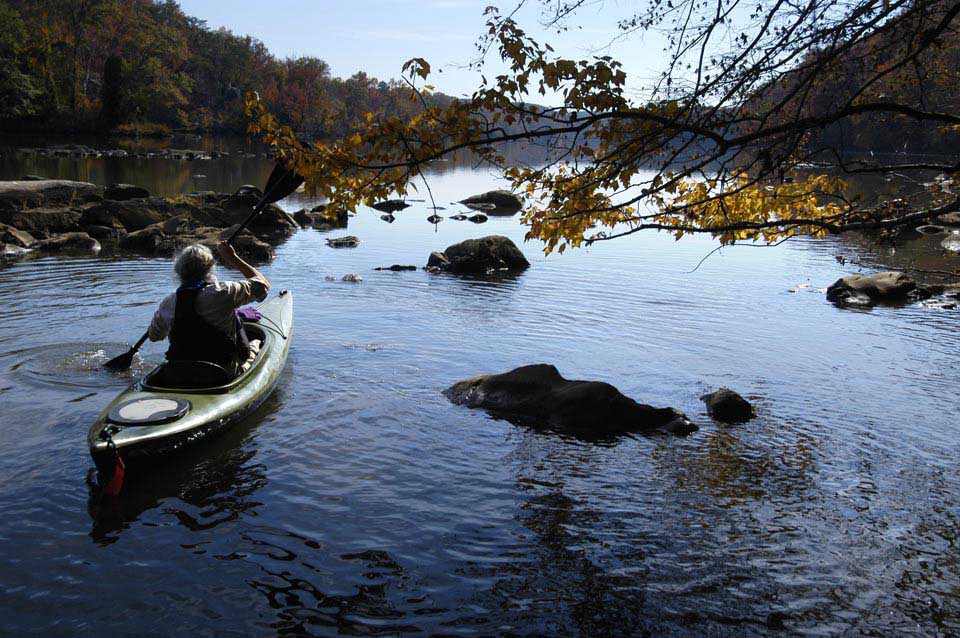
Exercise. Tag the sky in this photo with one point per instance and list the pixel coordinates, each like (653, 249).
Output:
(378, 36)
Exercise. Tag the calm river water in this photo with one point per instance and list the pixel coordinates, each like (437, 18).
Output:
(358, 501)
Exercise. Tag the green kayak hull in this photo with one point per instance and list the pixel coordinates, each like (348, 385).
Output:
(211, 410)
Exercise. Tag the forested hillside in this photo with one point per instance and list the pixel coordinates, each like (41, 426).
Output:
(902, 66)
(143, 65)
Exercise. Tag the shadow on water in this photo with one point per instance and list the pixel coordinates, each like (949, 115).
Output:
(218, 476)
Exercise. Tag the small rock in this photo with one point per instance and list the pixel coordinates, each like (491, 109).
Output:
(459, 218)
(348, 241)
(728, 406)
(388, 218)
(352, 278)
(10, 251)
(396, 268)
(479, 218)
(951, 243)
(950, 219)
(10, 235)
(939, 304)
(435, 219)
(438, 261)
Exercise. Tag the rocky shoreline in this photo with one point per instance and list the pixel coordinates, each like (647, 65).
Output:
(61, 215)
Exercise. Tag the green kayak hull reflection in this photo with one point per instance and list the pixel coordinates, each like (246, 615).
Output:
(182, 416)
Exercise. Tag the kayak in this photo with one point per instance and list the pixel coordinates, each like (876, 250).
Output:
(180, 403)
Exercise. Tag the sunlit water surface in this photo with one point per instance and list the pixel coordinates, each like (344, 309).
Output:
(359, 501)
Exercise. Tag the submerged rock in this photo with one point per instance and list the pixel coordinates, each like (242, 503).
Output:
(882, 287)
(486, 255)
(348, 241)
(478, 218)
(352, 278)
(435, 219)
(728, 406)
(540, 396)
(396, 268)
(388, 218)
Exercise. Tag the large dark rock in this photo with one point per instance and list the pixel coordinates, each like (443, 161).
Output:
(882, 287)
(73, 242)
(390, 205)
(728, 406)
(537, 395)
(501, 201)
(42, 221)
(123, 192)
(17, 195)
(486, 255)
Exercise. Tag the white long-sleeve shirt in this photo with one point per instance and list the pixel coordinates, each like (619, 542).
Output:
(215, 303)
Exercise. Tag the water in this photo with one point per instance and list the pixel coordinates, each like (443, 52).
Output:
(358, 501)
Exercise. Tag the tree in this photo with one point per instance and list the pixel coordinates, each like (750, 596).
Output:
(111, 97)
(748, 96)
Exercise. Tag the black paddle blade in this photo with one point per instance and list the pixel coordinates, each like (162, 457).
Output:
(282, 182)
(121, 362)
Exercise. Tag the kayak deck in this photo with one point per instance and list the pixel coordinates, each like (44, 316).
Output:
(208, 409)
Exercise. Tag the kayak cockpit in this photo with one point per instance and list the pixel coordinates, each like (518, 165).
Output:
(203, 377)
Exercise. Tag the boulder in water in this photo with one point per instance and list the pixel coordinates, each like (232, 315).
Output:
(348, 241)
(882, 287)
(390, 205)
(500, 200)
(728, 406)
(486, 255)
(537, 395)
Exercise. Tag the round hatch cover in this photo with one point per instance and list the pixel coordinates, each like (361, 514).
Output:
(149, 411)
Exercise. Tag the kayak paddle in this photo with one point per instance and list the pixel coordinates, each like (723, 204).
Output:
(282, 182)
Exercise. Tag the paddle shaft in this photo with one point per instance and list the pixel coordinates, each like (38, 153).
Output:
(140, 342)
(256, 211)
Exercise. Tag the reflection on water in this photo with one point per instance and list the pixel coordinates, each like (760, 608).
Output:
(359, 501)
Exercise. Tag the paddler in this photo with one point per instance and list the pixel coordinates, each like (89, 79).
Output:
(200, 317)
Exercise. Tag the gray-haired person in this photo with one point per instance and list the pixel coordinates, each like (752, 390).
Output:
(200, 317)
